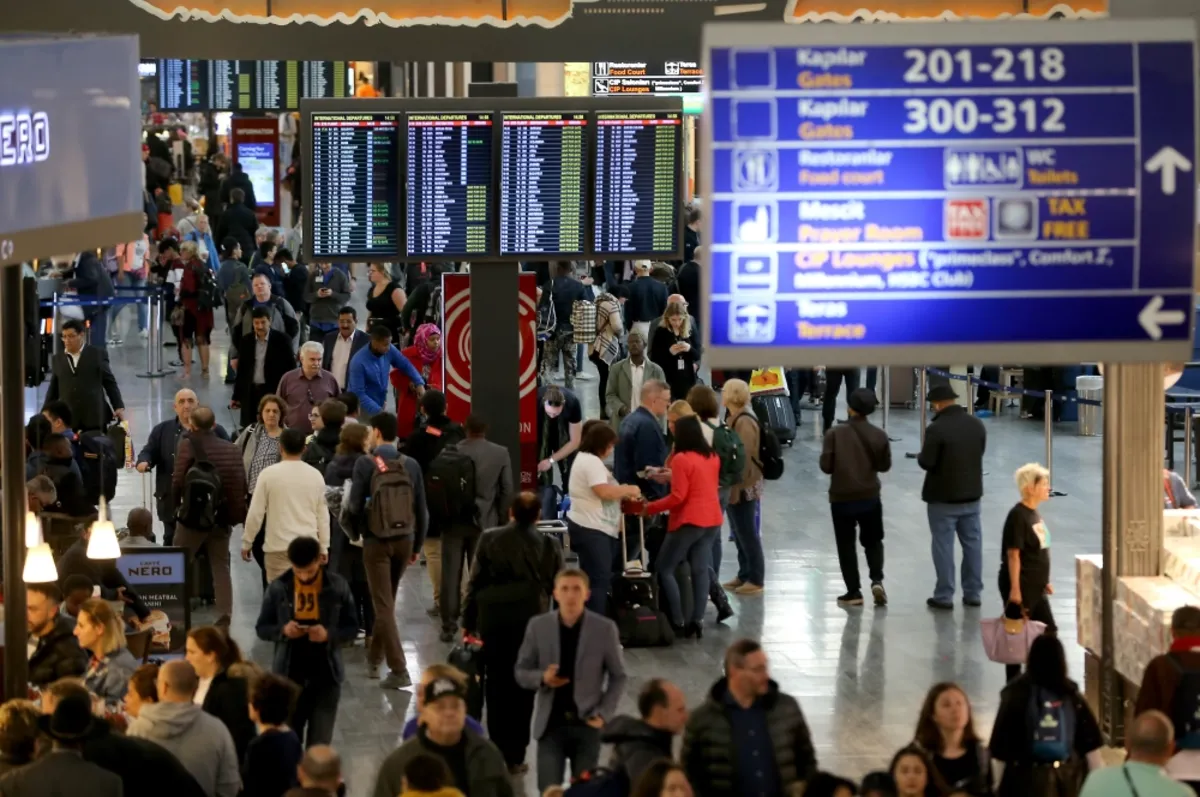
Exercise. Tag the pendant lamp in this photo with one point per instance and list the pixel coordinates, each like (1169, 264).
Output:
(39, 565)
(102, 542)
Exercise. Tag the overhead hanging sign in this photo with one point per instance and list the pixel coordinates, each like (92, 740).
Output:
(647, 77)
(70, 131)
(895, 194)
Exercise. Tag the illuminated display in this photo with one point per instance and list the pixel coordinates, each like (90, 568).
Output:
(449, 185)
(24, 138)
(355, 185)
(637, 197)
(182, 85)
(543, 179)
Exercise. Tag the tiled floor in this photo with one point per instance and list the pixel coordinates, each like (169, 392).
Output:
(860, 674)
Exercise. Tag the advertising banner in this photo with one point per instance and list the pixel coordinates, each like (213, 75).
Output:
(456, 351)
(159, 575)
(256, 148)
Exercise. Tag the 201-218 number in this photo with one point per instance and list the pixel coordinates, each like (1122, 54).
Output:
(942, 66)
(942, 116)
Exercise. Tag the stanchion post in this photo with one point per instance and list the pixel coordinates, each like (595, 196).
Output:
(1049, 434)
(1187, 446)
(154, 366)
(885, 373)
(924, 405)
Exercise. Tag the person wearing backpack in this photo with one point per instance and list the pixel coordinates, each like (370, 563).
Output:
(746, 494)
(854, 454)
(197, 295)
(209, 490)
(1045, 738)
(387, 506)
(1171, 685)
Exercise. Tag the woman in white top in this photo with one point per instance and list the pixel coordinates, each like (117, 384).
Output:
(594, 519)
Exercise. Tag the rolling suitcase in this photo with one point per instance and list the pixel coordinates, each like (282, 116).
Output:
(776, 413)
(634, 605)
(902, 387)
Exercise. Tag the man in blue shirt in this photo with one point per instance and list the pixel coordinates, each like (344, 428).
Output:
(368, 374)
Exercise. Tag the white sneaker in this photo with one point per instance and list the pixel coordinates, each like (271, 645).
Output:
(373, 671)
(145, 334)
(585, 376)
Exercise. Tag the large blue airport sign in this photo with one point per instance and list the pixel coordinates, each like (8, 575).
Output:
(71, 174)
(916, 193)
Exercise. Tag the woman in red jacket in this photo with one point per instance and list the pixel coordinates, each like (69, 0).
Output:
(694, 521)
(426, 355)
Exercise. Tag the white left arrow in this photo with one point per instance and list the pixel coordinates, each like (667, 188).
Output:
(1168, 160)
(1153, 318)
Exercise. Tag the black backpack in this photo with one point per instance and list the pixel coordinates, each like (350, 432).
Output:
(208, 295)
(98, 465)
(770, 451)
(1185, 706)
(450, 488)
(203, 499)
(317, 455)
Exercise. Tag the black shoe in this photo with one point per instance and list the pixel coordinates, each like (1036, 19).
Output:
(724, 612)
(974, 603)
(693, 630)
(851, 599)
(446, 636)
(680, 631)
(879, 594)
(720, 599)
(934, 603)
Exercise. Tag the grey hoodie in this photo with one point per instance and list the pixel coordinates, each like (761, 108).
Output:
(200, 741)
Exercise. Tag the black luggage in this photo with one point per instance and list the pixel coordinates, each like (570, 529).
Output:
(467, 658)
(775, 412)
(634, 605)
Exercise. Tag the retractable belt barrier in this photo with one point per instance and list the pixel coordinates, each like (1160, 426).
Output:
(152, 295)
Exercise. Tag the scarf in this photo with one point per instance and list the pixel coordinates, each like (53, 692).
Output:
(419, 340)
(1185, 644)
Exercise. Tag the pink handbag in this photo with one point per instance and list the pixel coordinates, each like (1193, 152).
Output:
(1008, 641)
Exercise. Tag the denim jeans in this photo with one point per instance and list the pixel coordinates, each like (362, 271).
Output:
(691, 544)
(316, 712)
(717, 556)
(599, 557)
(946, 521)
(577, 742)
(751, 569)
(126, 279)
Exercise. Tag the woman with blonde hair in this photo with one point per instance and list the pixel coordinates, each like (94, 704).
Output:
(675, 348)
(259, 444)
(101, 634)
(1025, 554)
(745, 495)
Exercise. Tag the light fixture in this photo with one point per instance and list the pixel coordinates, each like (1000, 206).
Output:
(39, 565)
(33, 530)
(102, 541)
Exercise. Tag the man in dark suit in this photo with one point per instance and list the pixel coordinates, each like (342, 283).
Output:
(82, 377)
(63, 770)
(238, 222)
(263, 359)
(342, 344)
(92, 282)
(159, 455)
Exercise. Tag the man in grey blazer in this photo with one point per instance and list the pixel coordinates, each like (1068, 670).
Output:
(626, 377)
(573, 658)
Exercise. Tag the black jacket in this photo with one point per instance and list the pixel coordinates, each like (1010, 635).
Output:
(226, 700)
(357, 341)
(68, 483)
(159, 454)
(102, 572)
(335, 606)
(709, 750)
(511, 579)
(57, 655)
(146, 769)
(952, 457)
(647, 300)
(423, 446)
(91, 280)
(321, 450)
(688, 281)
(295, 284)
(854, 454)
(636, 745)
(60, 772)
(239, 180)
(280, 359)
(240, 223)
(85, 388)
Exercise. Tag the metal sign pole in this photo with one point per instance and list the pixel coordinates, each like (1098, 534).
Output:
(1049, 434)
(885, 373)
(921, 393)
(1187, 446)
(154, 365)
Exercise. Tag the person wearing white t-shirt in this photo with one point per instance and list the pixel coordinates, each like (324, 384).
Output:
(594, 519)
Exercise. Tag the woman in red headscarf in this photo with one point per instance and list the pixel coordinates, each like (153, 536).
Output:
(426, 354)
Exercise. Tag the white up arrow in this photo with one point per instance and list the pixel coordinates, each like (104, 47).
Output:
(1153, 317)
(1167, 160)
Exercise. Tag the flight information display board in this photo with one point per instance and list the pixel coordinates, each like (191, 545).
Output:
(637, 198)
(449, 181)
(355, 207)
(543, 183)
(182, 85)
(280, 85)
(892, 196)
(233, 85)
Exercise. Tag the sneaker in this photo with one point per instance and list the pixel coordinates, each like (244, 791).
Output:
(732, 584)
(748, 589)
(934, 603)
(585, 376)
(373, 670)
(396, 680)
(974, 603)
(879, 594)
(850, 599)
(144, 334)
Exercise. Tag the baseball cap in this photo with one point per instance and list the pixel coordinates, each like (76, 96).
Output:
(443, 687)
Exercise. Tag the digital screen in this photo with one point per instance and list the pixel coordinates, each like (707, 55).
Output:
(355, 185)
(637, 183)
(543, 181)
(182, 85)
(282, 84)
(449, 184)
(258, 162)
(233, 85)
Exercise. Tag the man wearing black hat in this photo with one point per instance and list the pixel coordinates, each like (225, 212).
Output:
(477, 765)
(952, 458)
(63, 770)
(854, 454)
